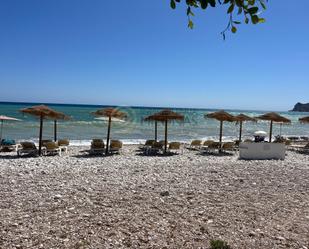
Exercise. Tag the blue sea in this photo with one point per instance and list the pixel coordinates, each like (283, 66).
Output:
(83, 127)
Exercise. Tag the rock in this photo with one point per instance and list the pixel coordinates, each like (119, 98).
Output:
(299, 107)
(57, 197)
(165, 193)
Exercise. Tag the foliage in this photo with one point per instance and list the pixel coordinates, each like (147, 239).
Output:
(250, 10)
(219, 244)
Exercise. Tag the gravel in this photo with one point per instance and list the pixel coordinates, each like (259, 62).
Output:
(136, 201)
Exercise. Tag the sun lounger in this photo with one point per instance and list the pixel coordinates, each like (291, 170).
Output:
(115, 146)
(52, 148)
(97, 147)
(154, 149)
(8, 145)
(228, 147)
(213, 147)
(147, 144)
(28, 148)
(63, 144)
(205, 146)
(195, 145)
(174, 147)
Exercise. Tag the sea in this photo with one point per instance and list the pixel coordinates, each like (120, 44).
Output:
(82, 127)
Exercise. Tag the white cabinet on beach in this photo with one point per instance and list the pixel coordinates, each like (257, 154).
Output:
(260, 151)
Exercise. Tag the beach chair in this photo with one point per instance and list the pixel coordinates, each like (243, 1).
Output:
(205, 146)
(52, 148)
(304, 149)
(45, 141)
(97, 147)
(195, 145)
(147, 144)
(174, 147)
(214, 147)
(28, 149)
(8, 145)
(154, 149)
(115, 146)
(63, 144)
(228, 147)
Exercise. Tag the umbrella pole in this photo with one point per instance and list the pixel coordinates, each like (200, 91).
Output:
(1, 131)
(55, 130)
(240, 131)
(165, 142)
(270, 131)
(220, 138)
(156, 131)
(108, 134)
(40, 135)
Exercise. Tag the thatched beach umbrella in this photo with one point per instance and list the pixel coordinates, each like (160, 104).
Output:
(43, 112)
(273, 117)
(165, 116)
(304, 120)
(5, 118)
(110, 113)
(221, 116)
(243, 118)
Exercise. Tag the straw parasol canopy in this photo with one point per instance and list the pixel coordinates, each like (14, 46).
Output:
(273, 117)
(221, 116)
(44, 112)
(243, 118)
(165, 116)
(5, 118)
(304, 120)
(110, 113)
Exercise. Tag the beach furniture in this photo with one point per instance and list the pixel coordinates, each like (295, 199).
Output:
(147, 144)
(43, 112)
(115, 146)
(195, 145)
(45, 141)
(174, 147)
(52, 148)
(273, 118)
(97, 147)
(110, 114)
(261, 151)
(8, 145)
(28, 149)
(221, 116)
(63, 144)
(205, 146)
(165, 116)
(229, 147)
(154, 149)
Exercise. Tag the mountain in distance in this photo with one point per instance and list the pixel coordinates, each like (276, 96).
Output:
(299, 107)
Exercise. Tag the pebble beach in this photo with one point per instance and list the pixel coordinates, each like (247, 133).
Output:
(136, 201)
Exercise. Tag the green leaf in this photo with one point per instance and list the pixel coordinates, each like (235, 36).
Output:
(246, 20)
(237, 22)
(263, 5)
(234, 29)
(255, 19)
(262, 20)
(212, 3)
(253, 10)
(191, 24)
(173, 4)
(204, 4)
(230, 9)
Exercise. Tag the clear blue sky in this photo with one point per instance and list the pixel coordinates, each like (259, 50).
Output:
(141, 53)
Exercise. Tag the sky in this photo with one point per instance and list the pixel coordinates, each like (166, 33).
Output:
(141, 53)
